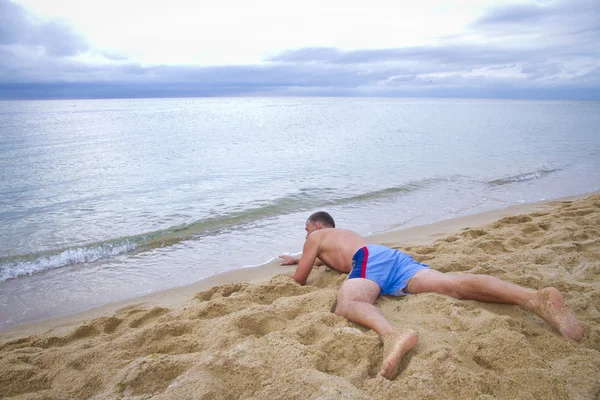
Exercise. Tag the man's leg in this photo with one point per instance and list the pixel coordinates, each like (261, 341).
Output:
(547, 303)
(355, 302)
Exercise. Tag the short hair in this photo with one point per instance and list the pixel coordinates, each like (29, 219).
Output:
(322, 217)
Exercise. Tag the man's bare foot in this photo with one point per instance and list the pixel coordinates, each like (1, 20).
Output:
(395, 345)
(551, 307)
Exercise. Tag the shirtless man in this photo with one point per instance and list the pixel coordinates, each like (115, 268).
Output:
(376, 270)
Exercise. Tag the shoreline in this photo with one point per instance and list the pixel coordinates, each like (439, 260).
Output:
(239, 336)
(177, 297)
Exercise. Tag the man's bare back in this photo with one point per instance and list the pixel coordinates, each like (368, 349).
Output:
(336, 247)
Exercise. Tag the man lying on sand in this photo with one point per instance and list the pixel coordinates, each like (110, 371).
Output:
(378, 270)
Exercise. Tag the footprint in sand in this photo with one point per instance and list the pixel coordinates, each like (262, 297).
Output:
(259, 323)
(216, 308)
(473, 233)
(149, 375)
(349, 353)
(518, 219)
(492, 247)
(147, 316)
(313, 333)
(225, 290)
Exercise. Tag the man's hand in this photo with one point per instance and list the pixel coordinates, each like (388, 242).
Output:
(289, 260)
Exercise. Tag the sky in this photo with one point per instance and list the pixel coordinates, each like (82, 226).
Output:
(545, 49)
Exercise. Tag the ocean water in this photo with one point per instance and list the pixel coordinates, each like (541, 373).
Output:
(104, 200)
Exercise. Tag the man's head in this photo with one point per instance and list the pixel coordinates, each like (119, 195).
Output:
(319, 220)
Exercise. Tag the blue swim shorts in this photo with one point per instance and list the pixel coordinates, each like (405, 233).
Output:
(390, 269)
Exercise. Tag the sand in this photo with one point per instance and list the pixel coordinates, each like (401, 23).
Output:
(277, 340)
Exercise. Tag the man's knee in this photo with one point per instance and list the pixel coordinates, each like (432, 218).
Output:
(430, 280)
(457, 286)
(457, 292)
(340, 310)
(361, 290)
(341, 304)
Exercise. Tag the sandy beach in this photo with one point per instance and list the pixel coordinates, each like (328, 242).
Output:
(256, 334)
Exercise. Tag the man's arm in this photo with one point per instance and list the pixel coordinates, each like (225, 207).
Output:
(307, 261)
(289, 260)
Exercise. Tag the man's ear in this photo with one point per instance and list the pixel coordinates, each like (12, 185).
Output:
(319, 225)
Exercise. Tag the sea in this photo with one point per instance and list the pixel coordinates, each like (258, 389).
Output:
(108, 200)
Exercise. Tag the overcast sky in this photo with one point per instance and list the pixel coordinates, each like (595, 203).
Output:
(422, 48)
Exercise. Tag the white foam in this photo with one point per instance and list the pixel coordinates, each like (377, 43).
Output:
(270, 260)
(14, 269)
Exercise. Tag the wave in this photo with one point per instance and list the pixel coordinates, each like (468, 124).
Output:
(395, 190)
(528, 176)
(235, 219)
(30, 264)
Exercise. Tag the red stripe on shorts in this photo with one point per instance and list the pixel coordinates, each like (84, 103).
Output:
(363, 273)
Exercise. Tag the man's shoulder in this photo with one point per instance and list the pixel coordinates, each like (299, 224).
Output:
(318, 235)
(342, 231)
(335, 234)
(325, 232)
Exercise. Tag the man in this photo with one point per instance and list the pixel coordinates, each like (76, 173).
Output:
(376, 270)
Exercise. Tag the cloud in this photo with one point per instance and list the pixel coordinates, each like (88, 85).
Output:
(520, 47)
(466, 54)
(114, 56)
(545, 50)
(515, 14)
(18, 28)
(573, 20)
